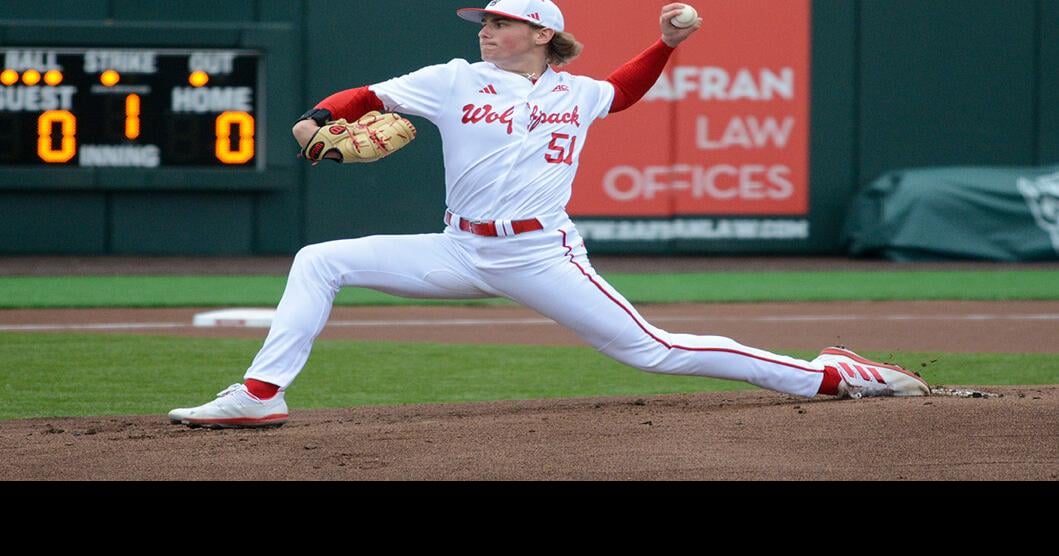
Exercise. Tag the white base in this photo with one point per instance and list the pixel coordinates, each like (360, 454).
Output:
(250, 318)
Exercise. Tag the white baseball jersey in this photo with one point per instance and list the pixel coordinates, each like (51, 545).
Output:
(511, 146)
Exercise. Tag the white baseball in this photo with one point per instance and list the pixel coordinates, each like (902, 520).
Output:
(686, 17)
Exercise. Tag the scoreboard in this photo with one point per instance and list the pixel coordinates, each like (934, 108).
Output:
(131, 108)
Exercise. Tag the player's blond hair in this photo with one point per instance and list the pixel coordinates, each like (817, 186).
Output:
(563, 48)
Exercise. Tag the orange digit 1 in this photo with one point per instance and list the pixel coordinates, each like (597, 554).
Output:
(68, 146)
(132, 116)
(224, 150)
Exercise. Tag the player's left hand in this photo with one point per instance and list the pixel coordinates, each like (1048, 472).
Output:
(671, 34)
(370, 138)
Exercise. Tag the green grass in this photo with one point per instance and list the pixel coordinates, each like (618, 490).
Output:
(840, 286)
(212, 291)
(46, 375)
(166, 291)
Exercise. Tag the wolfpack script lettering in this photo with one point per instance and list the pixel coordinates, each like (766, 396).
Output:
(473, 114)
(538, 117)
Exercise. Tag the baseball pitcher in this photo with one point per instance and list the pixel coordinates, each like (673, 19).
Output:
(513, 128)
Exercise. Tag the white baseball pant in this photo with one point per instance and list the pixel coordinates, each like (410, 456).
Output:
(546, 270)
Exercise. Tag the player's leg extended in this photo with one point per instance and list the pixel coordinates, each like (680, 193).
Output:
(572, 294)
(409, 266)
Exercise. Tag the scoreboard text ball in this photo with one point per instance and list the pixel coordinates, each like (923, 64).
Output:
(122, 107)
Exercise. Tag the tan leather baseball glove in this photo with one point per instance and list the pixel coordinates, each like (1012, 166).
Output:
(370, 138)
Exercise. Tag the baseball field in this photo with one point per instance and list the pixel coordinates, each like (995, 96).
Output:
(95, 352)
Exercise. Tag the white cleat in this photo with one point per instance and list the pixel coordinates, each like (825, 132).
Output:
(864, 378)
(235, 407)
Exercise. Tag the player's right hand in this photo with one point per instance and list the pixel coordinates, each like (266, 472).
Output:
(671, 34)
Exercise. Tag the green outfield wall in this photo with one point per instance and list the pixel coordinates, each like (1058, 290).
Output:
(894, 84)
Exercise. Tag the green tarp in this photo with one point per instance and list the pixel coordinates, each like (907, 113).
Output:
(1000, 214)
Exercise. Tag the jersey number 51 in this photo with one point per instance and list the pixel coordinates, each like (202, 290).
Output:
(562, 154)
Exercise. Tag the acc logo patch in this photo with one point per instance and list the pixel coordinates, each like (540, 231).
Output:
(315, 150)
(336, 130)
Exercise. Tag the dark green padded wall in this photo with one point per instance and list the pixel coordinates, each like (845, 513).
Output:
(896, 83)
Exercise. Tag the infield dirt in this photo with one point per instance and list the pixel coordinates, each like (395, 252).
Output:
(714, 436)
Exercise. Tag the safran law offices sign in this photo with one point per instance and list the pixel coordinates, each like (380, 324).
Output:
(718, 148)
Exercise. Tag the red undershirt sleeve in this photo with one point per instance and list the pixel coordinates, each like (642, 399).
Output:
(634, 78)
(351, 104)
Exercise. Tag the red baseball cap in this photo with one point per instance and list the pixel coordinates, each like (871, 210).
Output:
(538, 12)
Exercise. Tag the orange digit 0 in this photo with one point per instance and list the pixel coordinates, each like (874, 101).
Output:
(245, 150)
(68, 146)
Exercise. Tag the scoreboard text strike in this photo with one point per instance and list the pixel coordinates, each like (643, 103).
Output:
(129, 107)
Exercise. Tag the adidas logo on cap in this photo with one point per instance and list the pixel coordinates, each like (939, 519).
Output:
(538, 12)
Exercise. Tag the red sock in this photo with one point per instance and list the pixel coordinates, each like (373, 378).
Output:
(831, 381)
(261, 390)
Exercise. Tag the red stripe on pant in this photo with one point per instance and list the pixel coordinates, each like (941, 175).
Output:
(570, 254)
